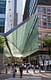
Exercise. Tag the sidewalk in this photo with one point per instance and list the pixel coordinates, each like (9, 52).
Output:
(31, 75)
(46, 74)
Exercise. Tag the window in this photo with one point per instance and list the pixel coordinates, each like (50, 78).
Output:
(2, 6)
(44, 10)
(2, 3)
(44, 17)
(40, 10)
(44, 23)
(49, 19)
(49, 25)
(40, 35)
(2, 21)
(49, 11)
(1, 29)
(46, 36)
(2, 10)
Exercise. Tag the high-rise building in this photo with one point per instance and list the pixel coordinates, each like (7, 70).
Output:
(20, 10)
(30, 8)
(31, 5)
(44, 20)
(2, 15)
(43, 10)
(11, 14)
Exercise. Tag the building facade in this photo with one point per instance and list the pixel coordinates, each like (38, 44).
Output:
(11, 14)
(43, 9)
(30, 8)
(44, 20)
(31, 5)
(2, 15)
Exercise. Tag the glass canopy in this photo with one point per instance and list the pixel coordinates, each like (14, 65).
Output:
(23, 40)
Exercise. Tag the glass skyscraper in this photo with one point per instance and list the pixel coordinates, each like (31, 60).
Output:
(30, 8)
(2, 15)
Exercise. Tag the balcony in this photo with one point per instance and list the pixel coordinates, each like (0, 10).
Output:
(44, 30)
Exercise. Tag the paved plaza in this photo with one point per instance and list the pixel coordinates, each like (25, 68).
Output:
(25, 78)
(29, 76)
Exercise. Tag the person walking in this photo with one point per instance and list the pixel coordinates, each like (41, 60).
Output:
(33, 66)
(6, 69)
(21, 70)
(14, 71)
(39, 68)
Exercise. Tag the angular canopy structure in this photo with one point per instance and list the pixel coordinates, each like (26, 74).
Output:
(23, 39)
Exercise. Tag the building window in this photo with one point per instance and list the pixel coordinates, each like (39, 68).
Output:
(49, 11)
(2, 6)
(44, 23)
(44, 17)
(45, 36)
(49, 25)
(2, 10)
(49, 19)
(2, 21)
(44, 10)
(1, 29)
(2, 3)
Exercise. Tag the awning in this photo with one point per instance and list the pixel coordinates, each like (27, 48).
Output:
(23, 39)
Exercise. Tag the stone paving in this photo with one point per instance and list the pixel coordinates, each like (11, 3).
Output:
(25, 78)
(30, 76)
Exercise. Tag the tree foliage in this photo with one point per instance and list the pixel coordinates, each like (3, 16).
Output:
(47, 42)
(2, 39)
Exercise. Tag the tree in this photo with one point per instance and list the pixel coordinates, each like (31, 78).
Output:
(47, 43)
(2, 39)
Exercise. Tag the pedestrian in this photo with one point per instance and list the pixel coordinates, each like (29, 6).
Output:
(45, 67)
(33, 68)
(23, 65)
(6, 69)
(14, 72)
(21, 70)
(27, 68)
(39, 68)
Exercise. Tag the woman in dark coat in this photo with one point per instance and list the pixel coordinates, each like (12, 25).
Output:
(21, 70)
